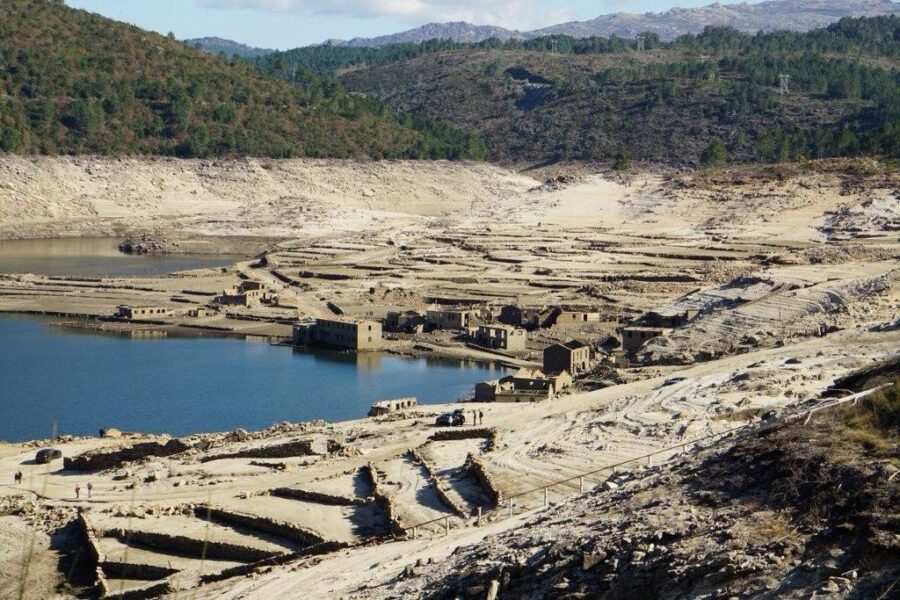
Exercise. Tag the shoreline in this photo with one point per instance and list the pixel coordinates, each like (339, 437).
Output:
(308, 405)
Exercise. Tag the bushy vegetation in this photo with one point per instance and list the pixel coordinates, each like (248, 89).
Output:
(875, 422)
(72, 82)
(871, 37)
(665, 104)
(714, 155)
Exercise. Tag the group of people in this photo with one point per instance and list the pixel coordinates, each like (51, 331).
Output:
(477, 417)
(18, 476)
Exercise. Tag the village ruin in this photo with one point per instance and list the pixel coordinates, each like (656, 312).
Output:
(627, 322)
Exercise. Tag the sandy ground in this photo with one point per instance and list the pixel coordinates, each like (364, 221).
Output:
(768, 261)
(278, 199)
(23, 549)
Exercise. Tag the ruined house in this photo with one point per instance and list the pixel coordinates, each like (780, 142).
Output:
(340, 333)
(652, 325)
(201, 312)
(124, 311)
(573, 356)
(529, 318)
(576, 318)
(386, 407)
(500, 337)
(486, 391)
(408, 321)
(633, 337)
(525, 385)
(669, 319)
(453, 319)
(247, 293)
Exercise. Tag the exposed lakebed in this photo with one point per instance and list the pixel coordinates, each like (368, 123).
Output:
(97, 257)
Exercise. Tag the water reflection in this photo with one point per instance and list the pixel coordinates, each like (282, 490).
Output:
(180, 385)
(96, 257)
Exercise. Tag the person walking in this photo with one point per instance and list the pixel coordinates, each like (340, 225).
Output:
(77, 491)
(90, 489)
(481, 416)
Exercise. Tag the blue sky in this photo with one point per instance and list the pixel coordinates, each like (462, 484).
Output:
(286, 24)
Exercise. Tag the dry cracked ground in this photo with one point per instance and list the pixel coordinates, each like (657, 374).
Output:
(794, 271)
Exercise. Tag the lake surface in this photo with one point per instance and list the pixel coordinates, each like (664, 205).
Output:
(96, 257)
(84, 382)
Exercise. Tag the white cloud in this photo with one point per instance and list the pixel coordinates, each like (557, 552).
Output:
(521, 14)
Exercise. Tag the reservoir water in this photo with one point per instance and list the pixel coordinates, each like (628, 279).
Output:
(84, 382)
(96, 257)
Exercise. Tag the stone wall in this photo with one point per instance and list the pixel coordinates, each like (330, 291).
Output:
(122, 570)
(190, 546)
(112, 458)
(95, 553)
(384, 500)
(156, 590)
(305, 447)
(477, 468)
(319, 497)
(303, 536)
(443, 491)
(467, 433)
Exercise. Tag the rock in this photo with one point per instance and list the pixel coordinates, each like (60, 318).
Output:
(238, 435)
(493, 590)
(122, 475)
(110, 432)
(590, 560)
(563, 584)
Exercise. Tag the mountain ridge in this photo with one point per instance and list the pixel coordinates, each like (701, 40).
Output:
(218, 45)
(803, 15)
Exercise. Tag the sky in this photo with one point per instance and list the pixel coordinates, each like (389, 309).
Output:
(284, 24)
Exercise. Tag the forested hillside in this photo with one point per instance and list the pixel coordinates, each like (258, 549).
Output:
(72, 82)
(586, 99)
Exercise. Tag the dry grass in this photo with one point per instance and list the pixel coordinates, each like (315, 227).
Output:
(875, 423)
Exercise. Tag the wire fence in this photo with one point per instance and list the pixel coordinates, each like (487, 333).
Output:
(507, 504)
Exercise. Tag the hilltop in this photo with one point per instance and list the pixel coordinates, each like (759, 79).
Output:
(78, 83)
(217, 45)
(561, 98)
(773, 15)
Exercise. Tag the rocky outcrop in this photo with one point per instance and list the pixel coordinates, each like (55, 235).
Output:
(144, 245)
